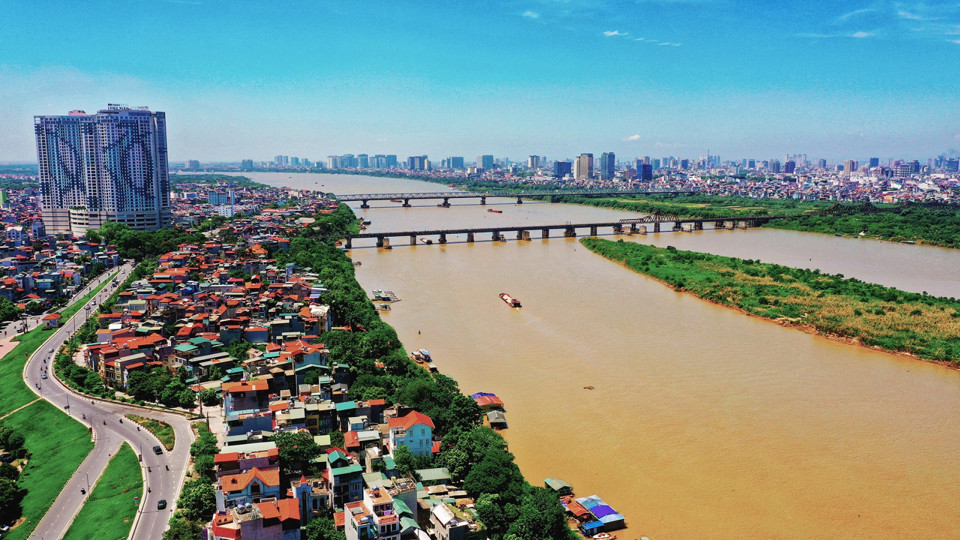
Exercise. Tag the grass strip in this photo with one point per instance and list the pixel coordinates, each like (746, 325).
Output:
(109, 512)
(58, 445)
(15, 392)
(846, 308)
(162, 430)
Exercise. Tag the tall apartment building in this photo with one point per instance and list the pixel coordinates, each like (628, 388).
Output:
(608, 163)
(583, 167)
(562, 168)
(109, 166)
(485, 162)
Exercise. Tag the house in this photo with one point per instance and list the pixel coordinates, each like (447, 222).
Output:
(415, 431)
(52, 320)
(374, 517)
(252, 486)
(267, 520)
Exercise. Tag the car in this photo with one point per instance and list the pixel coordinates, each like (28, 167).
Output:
(43, 375)
(161, 504)
(51, 350)
(157, 450)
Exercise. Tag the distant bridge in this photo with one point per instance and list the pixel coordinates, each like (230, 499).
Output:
(405, 198)
(623, 226)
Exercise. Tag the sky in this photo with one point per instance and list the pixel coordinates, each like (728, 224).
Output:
(512, 78)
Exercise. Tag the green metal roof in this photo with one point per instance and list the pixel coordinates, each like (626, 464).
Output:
(349, 469)
(185, 347)
(408, 523)
(346, 406)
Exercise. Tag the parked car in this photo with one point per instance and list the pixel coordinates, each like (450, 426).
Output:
(157, 450)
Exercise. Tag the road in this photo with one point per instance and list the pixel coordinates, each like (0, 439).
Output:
(163, 473)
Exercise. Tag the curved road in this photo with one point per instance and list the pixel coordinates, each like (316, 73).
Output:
(109, 434)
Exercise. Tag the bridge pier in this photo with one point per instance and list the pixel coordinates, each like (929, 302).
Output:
(656, 227)
(523, 235)
(729, 225)
(363, 204)
(383, 242)
(742, 225)
(443, 238)
(698, 226)
(406, 203)
(570, 232)
(413, 239)
(618, 229)
(496, 236)
(349, 244)
(677, 225)
(519, 200)
(544, 233)
(446, 202)
(483, 200)
(470, 238)
(593, 230)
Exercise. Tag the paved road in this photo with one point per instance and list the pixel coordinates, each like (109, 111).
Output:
(164, 473)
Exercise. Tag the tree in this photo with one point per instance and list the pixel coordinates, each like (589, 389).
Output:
(321, 528)
(10, 496)
(297, 449)
(497, 473)
(203, 464)
(541, 517)
(8, 471)
(198, 500)
(496, 518)
(34, 307)
(140, 386)
(209, 397)
(93, 236)
(181, 529)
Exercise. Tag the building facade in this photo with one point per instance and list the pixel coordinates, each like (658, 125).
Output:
(109, 166)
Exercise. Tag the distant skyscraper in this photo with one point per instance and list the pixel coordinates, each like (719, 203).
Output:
(533, 162)
(391, 161)
(485, 162)
(583, 167)
(821, 163)
(109, 166)
(789, 167)
(246, 165)
(562, 168)
(775, 166)
(363, 161)
(193, 165)
(333, 162)
(874, 162)
(951, 165)
(645, 173)
(608, 163)
(849, 166)
(417, 163)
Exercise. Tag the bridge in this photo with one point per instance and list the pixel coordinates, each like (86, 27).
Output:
(569, 230)
(405, 198)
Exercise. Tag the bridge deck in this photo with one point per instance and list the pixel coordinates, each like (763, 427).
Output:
(471, 194)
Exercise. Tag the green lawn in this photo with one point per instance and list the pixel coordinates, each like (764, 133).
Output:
(109, 512)
(162, 430)
(58, 445)
(15, 393)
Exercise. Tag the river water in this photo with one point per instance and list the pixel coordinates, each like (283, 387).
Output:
(703, 422)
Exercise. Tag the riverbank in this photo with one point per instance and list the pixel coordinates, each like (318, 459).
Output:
(920, 325)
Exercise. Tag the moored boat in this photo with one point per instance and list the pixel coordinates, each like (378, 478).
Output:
(492, 211)
(510, 301)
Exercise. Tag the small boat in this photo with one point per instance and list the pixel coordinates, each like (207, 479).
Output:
(588, 388)
(492, 211)
(384, 307)
(425, 354)
(510, 301)
(604, 536)
(365, 222)
(396, 200)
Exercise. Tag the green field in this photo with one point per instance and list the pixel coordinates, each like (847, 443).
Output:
(109, 512)
(15, 393)
(162, 430)
(58, 445)
(866, 313)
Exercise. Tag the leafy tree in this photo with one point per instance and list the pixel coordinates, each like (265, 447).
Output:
(198, 500)
(34, 307)
(239, 350)
(203, 464)
(182, 529)
(9, 471)
(407, 462)
(321, 528)
(10, 497)
(93, 236)
(8, 310)
(209, 397)
(496, 517)
(336, 439)
(496, 473)
(297, 449)
(541, 517)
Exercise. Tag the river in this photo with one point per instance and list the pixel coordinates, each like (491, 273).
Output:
(703, 422)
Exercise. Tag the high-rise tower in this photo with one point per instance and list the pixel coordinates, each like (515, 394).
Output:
(109, 166)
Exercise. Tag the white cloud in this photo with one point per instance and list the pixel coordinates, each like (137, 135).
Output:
(957, 41)
(635, 137)
(846, 16)
(638, 39)
(861, 34)
(531, 14)
(611, 33)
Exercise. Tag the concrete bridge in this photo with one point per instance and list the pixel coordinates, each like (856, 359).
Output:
(569, 230)
(405, 198)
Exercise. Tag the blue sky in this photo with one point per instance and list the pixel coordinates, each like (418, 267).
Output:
(508, 77)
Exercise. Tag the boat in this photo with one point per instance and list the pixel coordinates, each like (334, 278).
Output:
(492, 211)
(396, 200)
(588, 388)
(425, 354)
(510, 301)
(384, 307)
(364, 221)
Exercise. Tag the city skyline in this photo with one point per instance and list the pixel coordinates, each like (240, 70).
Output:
(554, 78)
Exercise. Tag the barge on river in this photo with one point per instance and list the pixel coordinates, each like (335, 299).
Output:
(509, 300)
